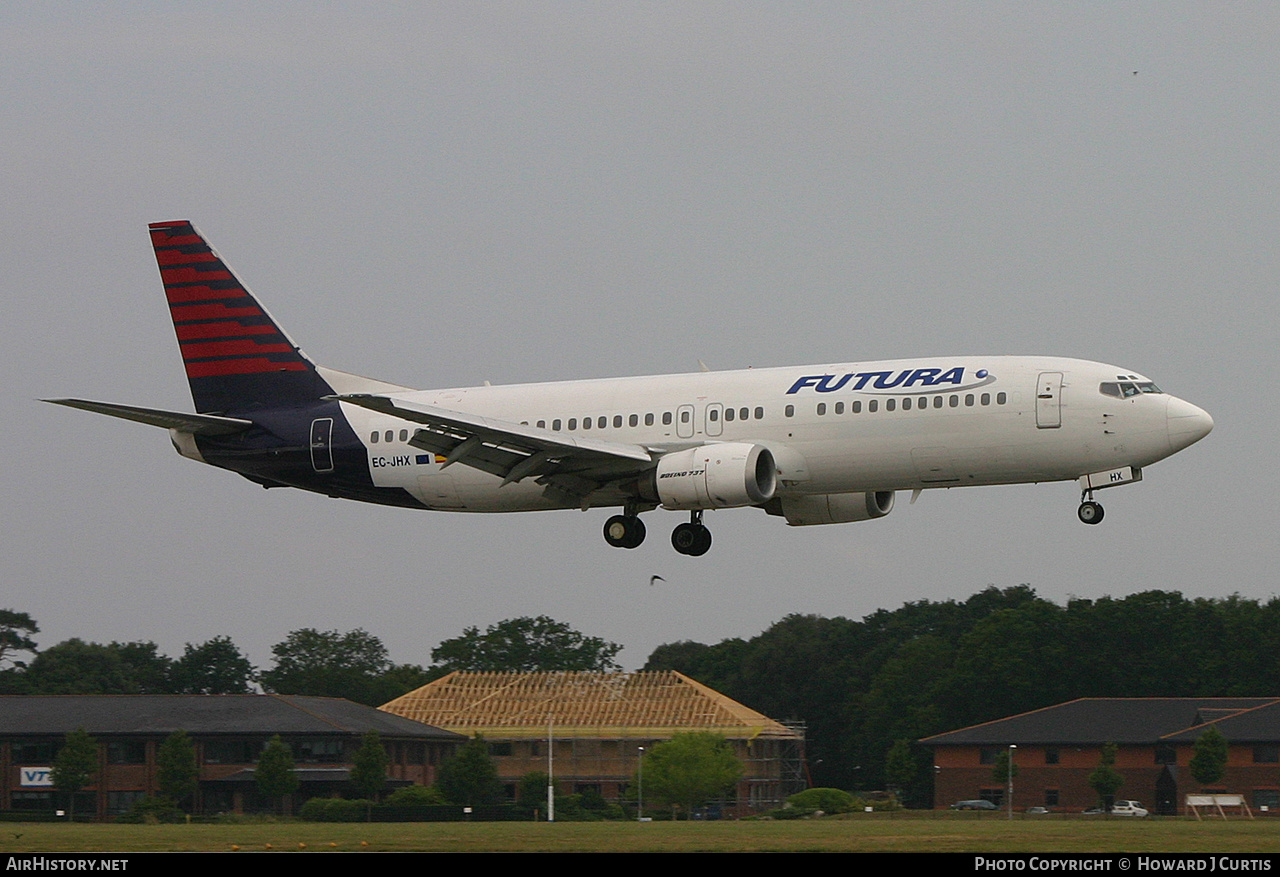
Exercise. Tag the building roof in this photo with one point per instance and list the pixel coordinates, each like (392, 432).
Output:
(581, 704)
(203, 714)
(1261, 724)
(1121, 720)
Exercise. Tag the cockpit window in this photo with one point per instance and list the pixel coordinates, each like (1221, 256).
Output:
(1127, 389)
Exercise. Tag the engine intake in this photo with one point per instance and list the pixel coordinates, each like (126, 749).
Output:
(719, 476)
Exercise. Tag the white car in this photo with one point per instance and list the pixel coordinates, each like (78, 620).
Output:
(1122, 808)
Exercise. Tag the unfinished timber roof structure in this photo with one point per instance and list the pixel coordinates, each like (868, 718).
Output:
(582, 704)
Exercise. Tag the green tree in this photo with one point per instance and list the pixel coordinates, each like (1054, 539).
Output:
(369, 770)
(899, 766)
(329, 664)
(689, 770)
(1209, 757)
(469, 778)
(1105, 779)
(531, 790)
(274, 774)
(525, 645)
(78, 667)
(75, 766)
(16, 629)
(176, 770)
(214, 667)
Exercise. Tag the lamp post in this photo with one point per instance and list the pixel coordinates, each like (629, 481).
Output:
(640, 796)
(1008, 768)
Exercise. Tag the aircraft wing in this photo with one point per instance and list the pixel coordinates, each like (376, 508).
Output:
(198, 424)
(575, 465)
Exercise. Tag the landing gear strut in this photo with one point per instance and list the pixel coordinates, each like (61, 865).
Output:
(1089, 512)
(692, 538)
(624, 531)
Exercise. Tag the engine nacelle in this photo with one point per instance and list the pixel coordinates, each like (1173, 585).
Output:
(719, 476)
(837, 508)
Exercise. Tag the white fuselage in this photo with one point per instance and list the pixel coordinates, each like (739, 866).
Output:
(832, 429)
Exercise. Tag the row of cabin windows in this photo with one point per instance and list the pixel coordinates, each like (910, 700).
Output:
(920, 403)
(685, 414)
(744, 413)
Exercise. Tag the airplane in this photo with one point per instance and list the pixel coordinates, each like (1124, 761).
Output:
(817, 444)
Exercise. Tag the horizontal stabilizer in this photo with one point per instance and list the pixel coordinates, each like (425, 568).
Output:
(197, 424)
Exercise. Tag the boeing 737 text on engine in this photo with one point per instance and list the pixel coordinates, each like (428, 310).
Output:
(822, 444)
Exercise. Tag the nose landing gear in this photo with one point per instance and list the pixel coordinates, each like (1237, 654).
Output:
(1089, 512)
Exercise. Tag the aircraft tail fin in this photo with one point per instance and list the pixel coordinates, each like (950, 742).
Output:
(236, 355)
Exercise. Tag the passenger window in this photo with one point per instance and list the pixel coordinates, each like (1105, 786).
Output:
(968, 400)
(839, 408)
(573, 423)
(617, 421)
(404, 435)
(937, 401)
(890, 404)
(389, 435)
(555, 424)
(684, 416)
(542, 424)
(986, 398)
(954, 401)
(822, 408)
(728, 415)
(648, 420)
(634, 420)
(906, 404)
(759, 414)
(373, 437)
(602, 422)
(666, 418)
(586, 423)
(856, 407)
(713, 415)
(1001, 398)
(790, 411)
(872, 406)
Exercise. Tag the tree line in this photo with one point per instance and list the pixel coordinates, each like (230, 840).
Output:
(355, 665)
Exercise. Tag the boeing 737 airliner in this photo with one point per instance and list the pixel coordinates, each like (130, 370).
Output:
(817, 444)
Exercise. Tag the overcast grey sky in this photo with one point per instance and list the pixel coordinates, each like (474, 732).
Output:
(442, 194)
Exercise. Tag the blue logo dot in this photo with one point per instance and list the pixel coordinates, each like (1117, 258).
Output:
(982, 372)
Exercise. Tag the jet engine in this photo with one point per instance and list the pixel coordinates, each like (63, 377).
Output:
(719, 476)
(837, 508)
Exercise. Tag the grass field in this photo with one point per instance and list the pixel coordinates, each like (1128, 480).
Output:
(859, 834)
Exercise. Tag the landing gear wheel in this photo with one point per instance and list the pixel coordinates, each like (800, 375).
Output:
(1090, 512)
(691, 539)
(624, 531)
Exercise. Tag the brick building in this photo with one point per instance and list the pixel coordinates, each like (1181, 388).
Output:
(1059, 746)
(229, 732)
(597, 724)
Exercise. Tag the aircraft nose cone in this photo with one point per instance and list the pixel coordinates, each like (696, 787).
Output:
(1187, 423)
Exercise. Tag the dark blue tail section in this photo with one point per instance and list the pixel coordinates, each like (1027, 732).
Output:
(237, 357)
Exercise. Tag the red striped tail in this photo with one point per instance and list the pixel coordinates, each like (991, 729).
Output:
(235, 354)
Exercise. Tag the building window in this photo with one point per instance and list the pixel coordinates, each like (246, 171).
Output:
(1051, 797)
(1266, 754)
(1266, 799)
(127, 752)
(1050, 755)
(500, 750)
(1166, 755)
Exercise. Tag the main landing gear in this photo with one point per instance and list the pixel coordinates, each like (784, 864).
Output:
(1089, 512)
(692, 538)
(624, 531)
(627, 531)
